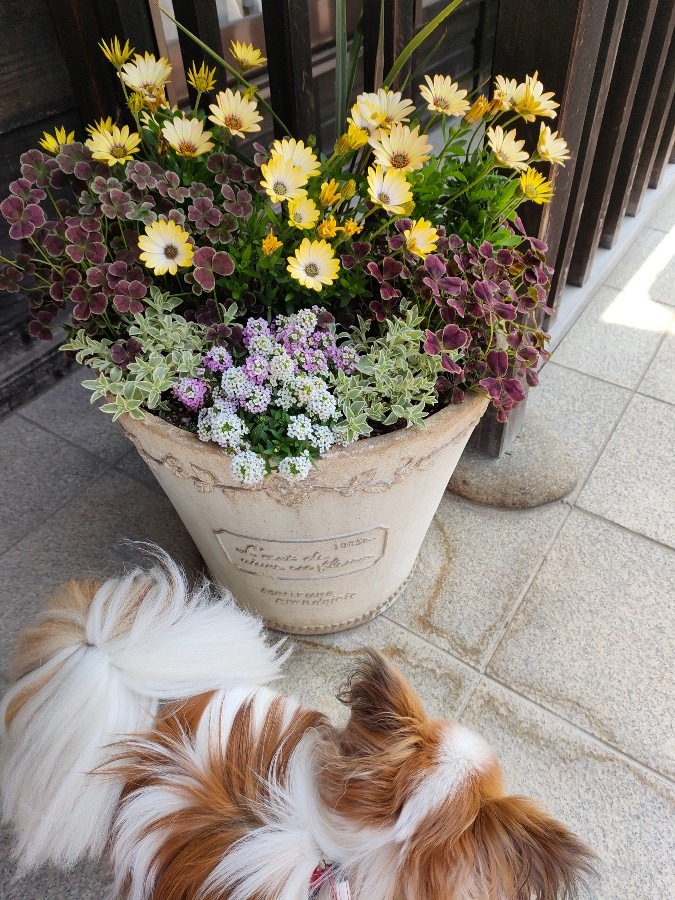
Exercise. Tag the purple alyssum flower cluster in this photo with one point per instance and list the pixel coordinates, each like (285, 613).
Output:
(269, 403)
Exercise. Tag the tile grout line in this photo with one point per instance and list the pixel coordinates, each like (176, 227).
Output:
(666, 779)
(625, 528)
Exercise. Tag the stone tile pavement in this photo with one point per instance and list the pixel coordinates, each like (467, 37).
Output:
(550, 631)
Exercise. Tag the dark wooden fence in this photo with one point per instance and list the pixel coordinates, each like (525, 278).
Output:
(610, 62)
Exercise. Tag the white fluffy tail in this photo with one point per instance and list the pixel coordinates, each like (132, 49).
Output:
(92, 669)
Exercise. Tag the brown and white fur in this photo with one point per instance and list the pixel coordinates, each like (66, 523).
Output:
(235, 792)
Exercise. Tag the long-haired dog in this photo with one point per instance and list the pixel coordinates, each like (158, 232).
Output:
(235, 792)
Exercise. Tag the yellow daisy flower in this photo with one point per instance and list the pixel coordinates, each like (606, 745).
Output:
(283, 180)
(507, 150)
(101, 125)
(421, 239)
(351, 228)
(301, 156)
(535, 187)
(165, 247)
(115, 53)
(54, 143)
(202, 79)
(270, 243)
(550, 147)
(147, 76)
(116, 146)
(330, 193)
(505, 91)
(402, 148)
(245, 56)
(187, 136)
(387, 107)
(444, 96)
(529, 100)
(389, 189)
(477, 110)
(314, 264)
(303, 212)
(328, 228)
(353, 139)
(233, 111)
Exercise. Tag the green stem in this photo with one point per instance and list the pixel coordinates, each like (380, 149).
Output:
(484, 171)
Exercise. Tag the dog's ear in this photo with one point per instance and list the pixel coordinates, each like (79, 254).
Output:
(381, 701)
(514, 849)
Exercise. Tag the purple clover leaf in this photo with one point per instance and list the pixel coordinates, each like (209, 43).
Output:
(208, 263)
(23, 218)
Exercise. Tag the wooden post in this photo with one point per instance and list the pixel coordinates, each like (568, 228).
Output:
(571, 34)
(666, 146)
(289, 64)
(622, 94)
(399, 28)
(201, 18)
(659, 44)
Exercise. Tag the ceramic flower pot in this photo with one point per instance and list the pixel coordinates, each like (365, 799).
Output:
(326, 553)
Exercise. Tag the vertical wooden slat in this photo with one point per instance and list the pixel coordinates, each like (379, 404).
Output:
(201, 18)
(128, 19)
(78, 30)
(572, 34)
(399, 28)
(666, 147)
(622, 94)
(650, 78)
(589, 139)
(655, 129)
(289, 63)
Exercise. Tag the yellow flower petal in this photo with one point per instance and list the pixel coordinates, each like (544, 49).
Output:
(165, 247)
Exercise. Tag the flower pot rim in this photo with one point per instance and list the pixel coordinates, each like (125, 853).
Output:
(378, 443)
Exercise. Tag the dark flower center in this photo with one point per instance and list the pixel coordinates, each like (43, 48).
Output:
(312, 270)
(171, 251)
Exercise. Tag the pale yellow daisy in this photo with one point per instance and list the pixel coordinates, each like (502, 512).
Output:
(187, 136)
(147, 76)
(505, 91)
(443, 95)
(53, 143)
(401, 148)
(233, 111)
(301, 156)
(507, 150)
(303, 212)
(389, 189)
(551, 147)
(421, 239)
(314, 264)
(165, 247)
(282, 180)
(115, 53)
(387, 106)
(535, 187)
(246, 56)
(202, 79)
(116, 146)
(529, 100)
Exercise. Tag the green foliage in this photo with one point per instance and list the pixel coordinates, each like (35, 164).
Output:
(395, 379)
(170, 348)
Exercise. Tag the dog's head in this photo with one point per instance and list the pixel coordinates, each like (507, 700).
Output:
(437, 788)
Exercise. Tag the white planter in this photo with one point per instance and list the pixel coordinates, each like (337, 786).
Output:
(326, 553)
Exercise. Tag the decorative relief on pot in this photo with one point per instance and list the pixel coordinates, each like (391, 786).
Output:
(300, 560)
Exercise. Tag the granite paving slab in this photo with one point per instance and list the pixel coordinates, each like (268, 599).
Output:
(134, 465)
(648, 268)
(472, 568)
(664, 215)
(633, 482)
(659, 379)
(66, 410)
(319, 666)
(623, 811)
(595, 635)
(615, 337)
(40, 473)
(582, 409)
(86, 538)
